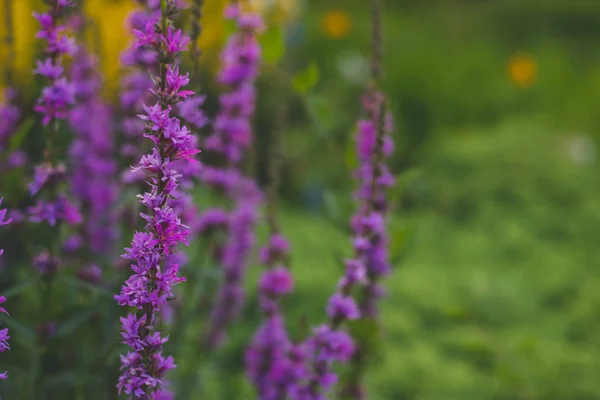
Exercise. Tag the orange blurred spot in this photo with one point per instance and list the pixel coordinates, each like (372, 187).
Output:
(336, 24)
(522, 70)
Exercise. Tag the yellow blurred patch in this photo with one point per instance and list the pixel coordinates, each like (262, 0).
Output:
(111, 34)
(522, 70)
(336, 24)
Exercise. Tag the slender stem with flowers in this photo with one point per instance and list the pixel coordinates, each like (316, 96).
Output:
(4, 346)
(374, 146)
(53, 207)
(274, 363)
(151, 285)
(230, 141)
(329, 343)
(91, 154)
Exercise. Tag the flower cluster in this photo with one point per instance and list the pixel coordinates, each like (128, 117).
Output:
(3, 332)
(240, 67)
(374, 145)
(230, 139)
(151, 284)
(233, 257)
(56, 100)
(330, 344)
(273, 362)
(59, 94)
(91, 154)
(136, 84)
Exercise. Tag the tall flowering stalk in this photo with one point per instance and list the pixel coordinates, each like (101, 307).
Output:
(230, 140)
(329, 343)
(52, 207)
(274, 363)
(54, 103)
(374, 147)
(151, 285)
(91, 153)
(4, 346)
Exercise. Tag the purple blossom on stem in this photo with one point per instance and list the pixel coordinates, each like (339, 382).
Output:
(274, 363)
(374, 146)
(231, 137)
(234, 256)
(53, 104)
(91, 154)
(330, 344)
(136, 86)
(240, 67)
(4, 346)
(151, 285)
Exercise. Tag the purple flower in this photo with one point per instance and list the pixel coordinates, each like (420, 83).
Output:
(212, 220)
(91, 274)
(3, 219)
(189, 109)
(44, 173)
(48, 69)
(277, 249)
(175, 41)
(46, 263)
(329, 343)
(154, 272)
(240, 66)
(230, 139)
(276, 282)
(51, 212)
(4, 346)
(342, 307)
(93, 180)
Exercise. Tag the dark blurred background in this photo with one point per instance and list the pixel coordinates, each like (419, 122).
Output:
(497, 213)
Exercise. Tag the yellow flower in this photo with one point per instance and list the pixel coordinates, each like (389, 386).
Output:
(522, 70)
(336, 24)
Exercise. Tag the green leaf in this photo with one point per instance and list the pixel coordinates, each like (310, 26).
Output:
(364, 330)
(25, 332)
(17, 139)
(15, 290)
(332, 205)
(398, 240)
(306, 79)
(273, 44)
(350, 157)
(230, 27)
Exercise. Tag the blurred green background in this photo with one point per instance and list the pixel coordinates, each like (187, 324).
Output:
(497, 214)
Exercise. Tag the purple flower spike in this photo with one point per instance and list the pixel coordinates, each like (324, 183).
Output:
(94, 168)
(275, 365)
(154, 271)
(329, 343)
(4, 346)
(230, 140)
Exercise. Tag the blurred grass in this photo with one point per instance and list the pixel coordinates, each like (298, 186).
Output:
(497, 295)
